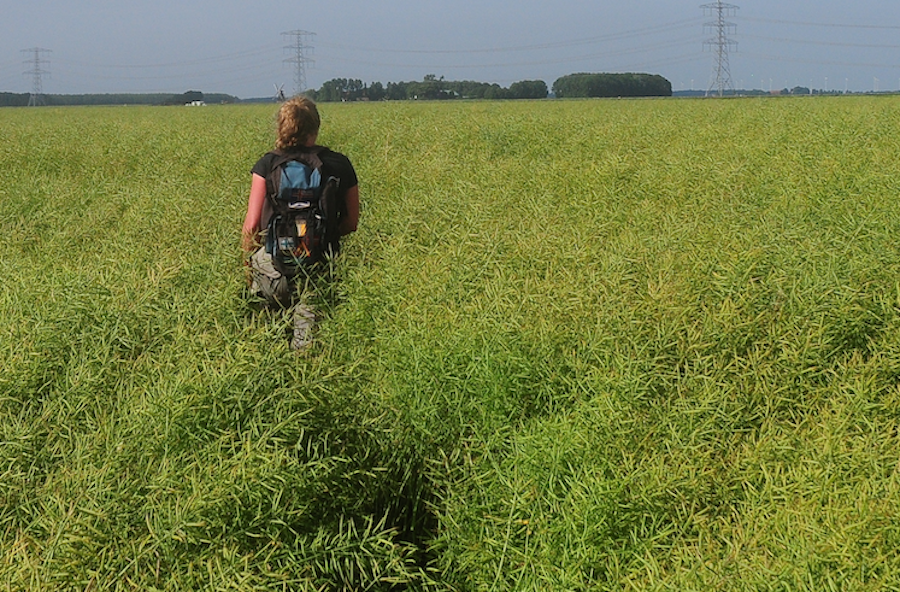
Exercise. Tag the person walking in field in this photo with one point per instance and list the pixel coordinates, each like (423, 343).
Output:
(303, 199)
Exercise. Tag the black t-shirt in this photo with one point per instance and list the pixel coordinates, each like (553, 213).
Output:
(334, 164)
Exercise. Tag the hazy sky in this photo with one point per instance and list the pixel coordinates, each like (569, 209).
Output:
(237, 46)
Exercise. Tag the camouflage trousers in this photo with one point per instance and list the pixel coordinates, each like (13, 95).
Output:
(275, 291)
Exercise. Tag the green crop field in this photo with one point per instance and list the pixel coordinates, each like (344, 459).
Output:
(575, 345)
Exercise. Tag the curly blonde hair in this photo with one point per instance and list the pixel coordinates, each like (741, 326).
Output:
(298, 120)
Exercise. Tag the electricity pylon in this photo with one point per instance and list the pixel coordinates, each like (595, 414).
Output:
(720, 44)
(301, 52)
(37, 72)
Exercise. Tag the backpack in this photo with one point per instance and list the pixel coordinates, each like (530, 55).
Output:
(302, 229)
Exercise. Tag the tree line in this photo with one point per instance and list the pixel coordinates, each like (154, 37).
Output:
(612, 85)
(433, 88)
(23, 99)
(430, 88)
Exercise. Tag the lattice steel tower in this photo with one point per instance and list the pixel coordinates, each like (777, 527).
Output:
(301, 51)
(720, 44)
(37, 75)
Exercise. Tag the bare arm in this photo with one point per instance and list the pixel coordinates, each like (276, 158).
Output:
(250, 232)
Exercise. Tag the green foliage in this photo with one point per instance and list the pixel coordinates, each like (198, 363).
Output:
(573, 346)
(184, 98)
(431, 88)
(14, 99)
(341, 89)
(611, 85)
(529, 89)
(22, 100)
(157, 434)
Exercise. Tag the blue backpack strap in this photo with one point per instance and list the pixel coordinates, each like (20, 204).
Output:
(308, 156)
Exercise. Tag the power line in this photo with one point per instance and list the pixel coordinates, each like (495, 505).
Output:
(227, 69)
(826, 25)
(835, 39)
(552, 45)
(233, 64)
(252, 52)
(819, 62)
(534, 62)
(827, 43)
(246, 66)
